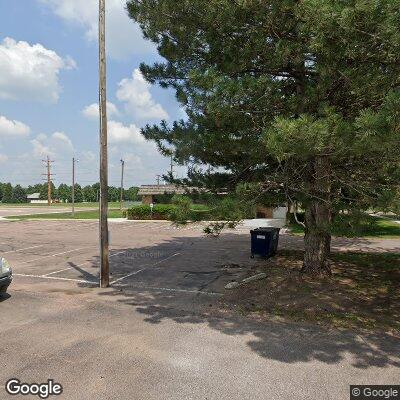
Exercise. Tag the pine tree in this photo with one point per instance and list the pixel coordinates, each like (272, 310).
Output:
(7, 193)
(299, 98)
(18, 194)
(89, 194)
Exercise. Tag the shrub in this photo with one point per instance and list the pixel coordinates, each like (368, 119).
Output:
(160, 211)
(182, 212)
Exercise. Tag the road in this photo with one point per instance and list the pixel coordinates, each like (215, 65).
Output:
(6, 211)
(158, 332)
(101, 347)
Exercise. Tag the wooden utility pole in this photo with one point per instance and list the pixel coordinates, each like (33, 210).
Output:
(103, 225)
(73, 186)
(172, 166)
(122, 184)
(158, 179)
(49, 175)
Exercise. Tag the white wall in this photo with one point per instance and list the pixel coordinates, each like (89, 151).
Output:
(280, 213)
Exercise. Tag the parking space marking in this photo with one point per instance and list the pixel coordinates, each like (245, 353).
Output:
(64, 269)
(127, 276)
(53, 255)
(81, 265)
(26, 248)
(56, 279)
(143, 269)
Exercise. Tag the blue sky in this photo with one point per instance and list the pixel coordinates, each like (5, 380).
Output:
(49, 91)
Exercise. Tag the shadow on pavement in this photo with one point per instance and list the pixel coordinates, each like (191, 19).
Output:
(179, 290)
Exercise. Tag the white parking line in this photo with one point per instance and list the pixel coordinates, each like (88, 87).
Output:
(62, 270)
(143, 269)
(26, 248)
(81, 265)
(127, 276)
(53, 255)
(56, 279)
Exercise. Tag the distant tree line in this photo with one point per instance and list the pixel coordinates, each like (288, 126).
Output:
(89, 193)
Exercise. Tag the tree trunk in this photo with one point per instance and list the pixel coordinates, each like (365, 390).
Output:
(317, 239)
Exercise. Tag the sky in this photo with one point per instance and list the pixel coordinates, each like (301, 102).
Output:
(49, 94)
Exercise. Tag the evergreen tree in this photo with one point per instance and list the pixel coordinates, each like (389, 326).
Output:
(7, 193)
(300, 98)
(89, 194)
(64, 192)
(18, 194)
(132, 194)
(78, 194)
(44, 191)
(96, 188)
(113, 193)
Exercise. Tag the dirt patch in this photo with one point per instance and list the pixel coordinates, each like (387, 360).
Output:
(363, 292)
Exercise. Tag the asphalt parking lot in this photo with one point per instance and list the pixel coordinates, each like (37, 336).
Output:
(142, 255)
(156, 333)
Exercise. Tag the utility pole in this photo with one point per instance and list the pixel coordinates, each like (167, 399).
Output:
(73, 186)
(49, 175)
(122, 183)
(172, 166)
(158, 179)
(103, 225)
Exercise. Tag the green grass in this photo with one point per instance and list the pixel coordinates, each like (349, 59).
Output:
(90, 214)
(368, 226)
(62, 205)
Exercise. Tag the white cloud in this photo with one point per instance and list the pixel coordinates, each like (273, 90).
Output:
(58, 144)
(88, 156)
(41, 137)
(119, 133)
(62, 137)
(40, 150)
(12, 128)
(3, 158)
(30, 72)
(138, 99)
(124, 37)
(92, 111)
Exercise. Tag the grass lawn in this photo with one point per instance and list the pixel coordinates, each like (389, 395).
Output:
(363, 292)
(90, 214)
(370, 226)
(63, 205)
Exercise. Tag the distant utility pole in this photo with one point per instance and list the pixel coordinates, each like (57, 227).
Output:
(122, 184)
(158, 179)
(172, 166)
(73, 186)
(103, 225)
(49, 175)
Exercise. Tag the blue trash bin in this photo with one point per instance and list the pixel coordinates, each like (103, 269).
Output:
(264, 242)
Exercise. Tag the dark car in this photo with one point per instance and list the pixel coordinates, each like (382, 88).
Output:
(5, 275)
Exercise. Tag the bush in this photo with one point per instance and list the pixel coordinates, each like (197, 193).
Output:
(180, 212)
(160, 211)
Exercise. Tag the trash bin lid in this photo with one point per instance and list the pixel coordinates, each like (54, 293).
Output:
(265, 230)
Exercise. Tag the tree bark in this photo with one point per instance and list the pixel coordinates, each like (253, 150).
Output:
(317, 239)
